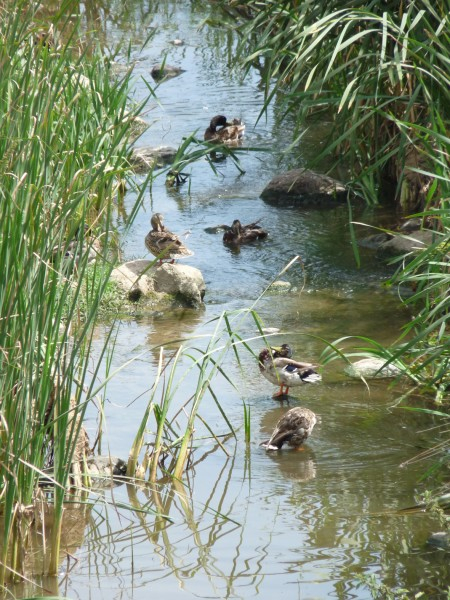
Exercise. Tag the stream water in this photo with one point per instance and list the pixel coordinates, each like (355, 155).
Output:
(302, 525)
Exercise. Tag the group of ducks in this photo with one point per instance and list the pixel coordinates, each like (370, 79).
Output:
(275, 363)
(278, 367)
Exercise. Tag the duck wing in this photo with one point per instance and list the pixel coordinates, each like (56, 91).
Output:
(296, 425)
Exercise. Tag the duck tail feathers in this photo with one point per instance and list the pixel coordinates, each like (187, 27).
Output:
(311, 377)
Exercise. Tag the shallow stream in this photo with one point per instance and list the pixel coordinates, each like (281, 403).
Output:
(302, 525)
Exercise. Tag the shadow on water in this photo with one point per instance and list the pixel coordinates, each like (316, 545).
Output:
(302, 525)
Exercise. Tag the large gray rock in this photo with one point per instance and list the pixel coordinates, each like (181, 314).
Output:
(404, 244)
(161, 283)
(304, 187)
(146, 158)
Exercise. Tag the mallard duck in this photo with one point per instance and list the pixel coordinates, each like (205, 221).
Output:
(229, 132)
(293, 429)
(239, 234)
(279, 368)
(163, 243)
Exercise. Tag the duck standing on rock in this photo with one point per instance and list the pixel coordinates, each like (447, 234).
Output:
(293, 429)
(229, 132)
(163, 243)
(279, 368)
(239, 234)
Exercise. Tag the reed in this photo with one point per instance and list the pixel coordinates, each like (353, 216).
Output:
(64, 130)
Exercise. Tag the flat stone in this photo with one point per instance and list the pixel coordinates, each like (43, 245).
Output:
(304, 187)
(372, 368)
(146, 158)
(280, 286)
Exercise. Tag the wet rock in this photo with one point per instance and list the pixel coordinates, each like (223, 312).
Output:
(164, 71)
(372, 368)
(304, 187)
(164, 283)
(146, 158)
(441, 539)
(405, 244)
(280, 286)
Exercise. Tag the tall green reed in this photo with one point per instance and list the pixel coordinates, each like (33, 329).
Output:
(64, 130)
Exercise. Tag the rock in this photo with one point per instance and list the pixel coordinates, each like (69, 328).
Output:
(441, 539)
(280, 286)
(165, 71)
(304, 187)
(372, 368)
(181, 280)
(146, 158)
(405, 244)
(161, 283)
(270, 330)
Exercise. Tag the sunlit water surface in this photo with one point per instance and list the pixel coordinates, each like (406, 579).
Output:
(304, 525)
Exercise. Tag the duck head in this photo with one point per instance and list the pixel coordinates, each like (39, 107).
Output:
(218, 121)
(284, 351)
(157, 222)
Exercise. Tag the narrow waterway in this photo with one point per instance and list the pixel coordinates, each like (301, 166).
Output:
(302, 525)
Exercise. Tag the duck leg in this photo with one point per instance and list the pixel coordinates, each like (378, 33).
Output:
(280, 392)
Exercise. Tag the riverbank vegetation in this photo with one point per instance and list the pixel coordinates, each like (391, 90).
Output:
(65, 128)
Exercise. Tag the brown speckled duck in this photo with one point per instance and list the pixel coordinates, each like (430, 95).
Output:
(239, 234)
(163, 243)
(279, 368)
(293, 429)
(229, 132)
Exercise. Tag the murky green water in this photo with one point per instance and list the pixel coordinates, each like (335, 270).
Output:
(302, 525)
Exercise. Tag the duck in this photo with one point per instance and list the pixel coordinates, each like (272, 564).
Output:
(278, 367)
(163, 243)
(229, 132)
(293, 429)
(239, 234)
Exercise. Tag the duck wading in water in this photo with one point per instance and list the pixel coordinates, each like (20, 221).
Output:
(279, 368)
(228, 132)
(163, 243)
(293, 429)
(239, 234)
